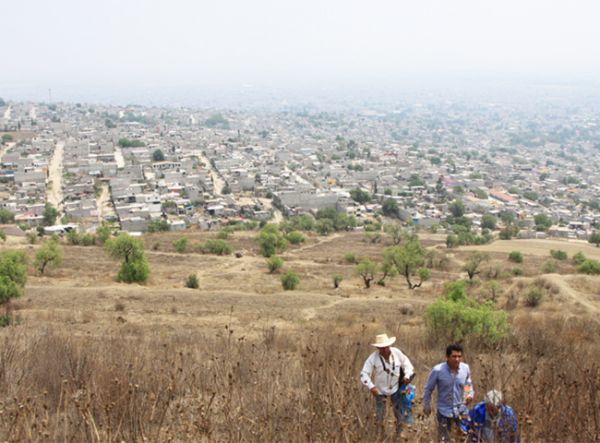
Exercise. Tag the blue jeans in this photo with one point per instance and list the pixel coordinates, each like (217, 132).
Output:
(380, 401)
(444, 424)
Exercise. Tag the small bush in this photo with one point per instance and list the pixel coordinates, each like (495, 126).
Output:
(180, 244)
(274, 263)
(457, 317)
(517, 271)
(87, 240)
(217, 247)
(337, 279)
(534, 297)
(516, 257)
(155, 246)
(223, 235)
(136, 271)
(73, 238)
(295, 237)
(578, 258)
(192, 282)
(290, 281)
(558, 254)
(31, 237)
(350, 258)
(589, 266)
(550, 267)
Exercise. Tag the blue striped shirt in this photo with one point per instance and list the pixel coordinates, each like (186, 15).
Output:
(451, 389)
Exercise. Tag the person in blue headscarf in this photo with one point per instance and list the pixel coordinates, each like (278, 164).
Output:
(492, 421)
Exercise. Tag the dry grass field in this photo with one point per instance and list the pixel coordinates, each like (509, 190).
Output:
(240, 359)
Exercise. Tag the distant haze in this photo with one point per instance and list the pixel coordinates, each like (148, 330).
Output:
(130, 50)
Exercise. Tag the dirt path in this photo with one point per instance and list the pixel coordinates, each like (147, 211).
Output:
(218, 182)
(310, 313)
(575, 296)
(55, 169)
(105, 206)
(319, 242)
(119, 157)
(5, 149)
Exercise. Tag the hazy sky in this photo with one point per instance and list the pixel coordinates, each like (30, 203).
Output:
(131, 43)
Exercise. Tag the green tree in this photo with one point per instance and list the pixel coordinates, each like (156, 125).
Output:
(130, 250)
(49, 254)
(226, 189)
(542, 222)
(6, 138)
(457, 208)
(415, 180)
(366, 269)
(126, 143)
(158, 225)
(408, 260)
(488, 221)
(6, 216)
(390, 207)
(2, 235)
(360, 196)
(480, 194)
(471, 266)
(13, 275)
(595, 238)
(158, 156)
(507, 217)
(50, 215)
(271, 240)
(394, 230)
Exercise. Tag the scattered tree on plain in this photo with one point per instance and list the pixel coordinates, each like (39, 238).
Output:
(49, 254)
(595, 238)
(134, 265)
(408, 260)
(472, 265)
(13, 275)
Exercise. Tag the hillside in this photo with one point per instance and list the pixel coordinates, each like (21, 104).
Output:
(241, 336)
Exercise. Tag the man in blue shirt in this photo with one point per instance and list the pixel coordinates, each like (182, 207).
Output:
(452, 379)
(492, 421)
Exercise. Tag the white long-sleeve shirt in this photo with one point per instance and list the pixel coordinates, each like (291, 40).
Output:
(384, 375)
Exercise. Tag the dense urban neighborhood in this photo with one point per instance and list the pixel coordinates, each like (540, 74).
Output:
(488, 169)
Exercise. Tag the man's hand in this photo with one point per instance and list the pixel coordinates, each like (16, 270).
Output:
(468, 400)
(374, 391)
(426, 411)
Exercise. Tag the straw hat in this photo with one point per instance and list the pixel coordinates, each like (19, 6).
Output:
(383, 341)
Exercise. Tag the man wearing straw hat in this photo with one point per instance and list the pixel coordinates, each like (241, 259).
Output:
(382, 373)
